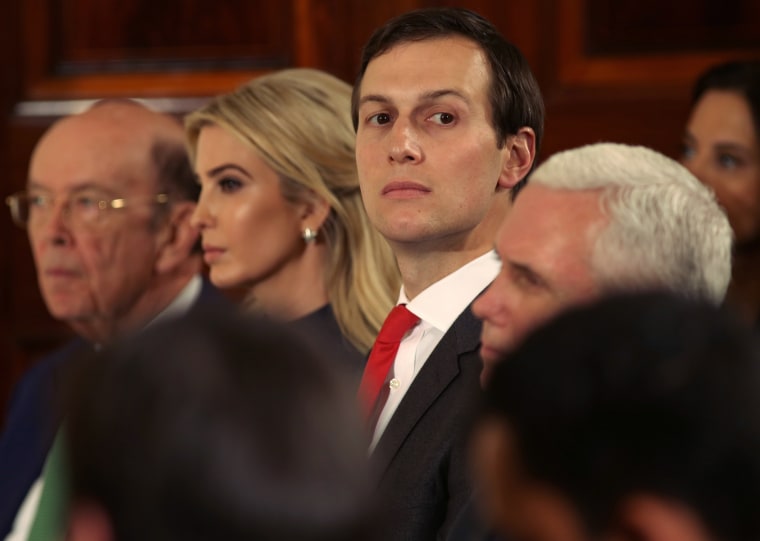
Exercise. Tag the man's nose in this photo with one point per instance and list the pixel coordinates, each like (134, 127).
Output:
(404, 143)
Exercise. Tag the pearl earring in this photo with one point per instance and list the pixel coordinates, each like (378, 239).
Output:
(309, 235)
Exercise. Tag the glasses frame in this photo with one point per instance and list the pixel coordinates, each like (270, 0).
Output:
(14, 203)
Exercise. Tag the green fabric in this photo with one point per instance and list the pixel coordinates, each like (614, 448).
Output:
(49, 522)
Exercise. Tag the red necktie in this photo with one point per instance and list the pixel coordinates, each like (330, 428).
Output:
(395, 326)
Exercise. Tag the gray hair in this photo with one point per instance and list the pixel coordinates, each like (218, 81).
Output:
(665, 227)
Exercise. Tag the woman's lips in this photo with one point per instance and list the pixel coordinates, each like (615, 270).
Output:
(212, 253)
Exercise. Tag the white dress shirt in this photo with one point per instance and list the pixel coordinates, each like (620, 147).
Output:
(438, 307)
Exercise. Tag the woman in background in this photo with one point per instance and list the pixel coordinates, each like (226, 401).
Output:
(280, 211)
(721, 147)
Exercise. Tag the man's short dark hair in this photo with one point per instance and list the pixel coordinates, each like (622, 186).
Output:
(514, 94)
(637, 394)
(218, 426)
(173, 170)
(175, 177)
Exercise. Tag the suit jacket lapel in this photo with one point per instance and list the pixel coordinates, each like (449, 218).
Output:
(441, 368)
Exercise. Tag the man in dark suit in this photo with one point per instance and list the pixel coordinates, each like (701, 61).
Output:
(107, 208)
(449, 119)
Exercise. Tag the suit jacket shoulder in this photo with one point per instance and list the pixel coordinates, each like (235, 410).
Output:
(33, 417)
(420, 459)
(35, 413)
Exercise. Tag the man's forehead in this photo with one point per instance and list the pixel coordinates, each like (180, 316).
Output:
(445, 63)
(551, 221)
(551, 204)
(68, 157)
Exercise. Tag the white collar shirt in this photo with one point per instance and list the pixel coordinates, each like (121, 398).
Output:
(438, 306)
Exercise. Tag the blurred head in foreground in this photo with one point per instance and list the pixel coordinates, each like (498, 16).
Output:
(215, 427)
(636, 418)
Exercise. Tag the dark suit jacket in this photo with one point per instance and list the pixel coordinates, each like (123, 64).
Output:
(469, 527)
(34, 416)
(321, 330)
(420, 459)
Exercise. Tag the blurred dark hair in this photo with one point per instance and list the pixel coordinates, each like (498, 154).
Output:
(218, 426)
(741, 77)
(173, 170)
(644, 393)
(514, 94)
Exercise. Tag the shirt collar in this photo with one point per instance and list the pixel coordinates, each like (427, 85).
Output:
(442, 302)
(182, 302)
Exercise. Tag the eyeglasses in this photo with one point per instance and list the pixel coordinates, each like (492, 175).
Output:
(80, 208)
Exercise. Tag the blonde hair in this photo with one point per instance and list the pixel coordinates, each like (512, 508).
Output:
(299, 122)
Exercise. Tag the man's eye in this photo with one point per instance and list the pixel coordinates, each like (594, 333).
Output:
(229, 184)
(85, 201)
(38, 200)
(527, 279)
(379, 119)
(443, 118)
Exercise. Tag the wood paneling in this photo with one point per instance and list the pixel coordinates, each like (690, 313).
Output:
(609, 70)
(653, 26)
(92, 48)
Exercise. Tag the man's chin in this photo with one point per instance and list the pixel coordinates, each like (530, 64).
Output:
(66, 311)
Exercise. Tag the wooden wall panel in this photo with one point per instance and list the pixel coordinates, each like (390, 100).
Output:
(13, 359)
(616, 70)
(602, 82)
(92, 48)
(653, 26)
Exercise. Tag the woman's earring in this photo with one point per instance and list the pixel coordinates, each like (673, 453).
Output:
(309, 235)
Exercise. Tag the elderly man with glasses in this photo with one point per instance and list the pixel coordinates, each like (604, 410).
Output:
(107, 209)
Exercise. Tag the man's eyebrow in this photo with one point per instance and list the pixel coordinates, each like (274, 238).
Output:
(528, 271)
(78, 187)
(374, 98)
(436, 94)
(424, 97)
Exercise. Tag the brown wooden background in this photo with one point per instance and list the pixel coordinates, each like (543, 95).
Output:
(609, 69)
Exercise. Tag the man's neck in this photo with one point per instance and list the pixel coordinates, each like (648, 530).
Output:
(423, 264)
(420, 271)
(104, 329)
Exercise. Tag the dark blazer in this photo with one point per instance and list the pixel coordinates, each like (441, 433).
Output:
(321, 330)
(420, 459)
(469, 527)
(34, 415)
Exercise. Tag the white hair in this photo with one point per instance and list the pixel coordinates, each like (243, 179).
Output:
(665, 228)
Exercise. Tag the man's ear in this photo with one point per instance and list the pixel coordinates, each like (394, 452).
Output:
(177, 237)
(89, 522)
(645, 517)
(520, 152)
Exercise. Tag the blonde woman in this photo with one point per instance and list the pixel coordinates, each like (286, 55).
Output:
(280, 210)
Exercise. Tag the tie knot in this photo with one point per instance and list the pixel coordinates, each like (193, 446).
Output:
(398, 322)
